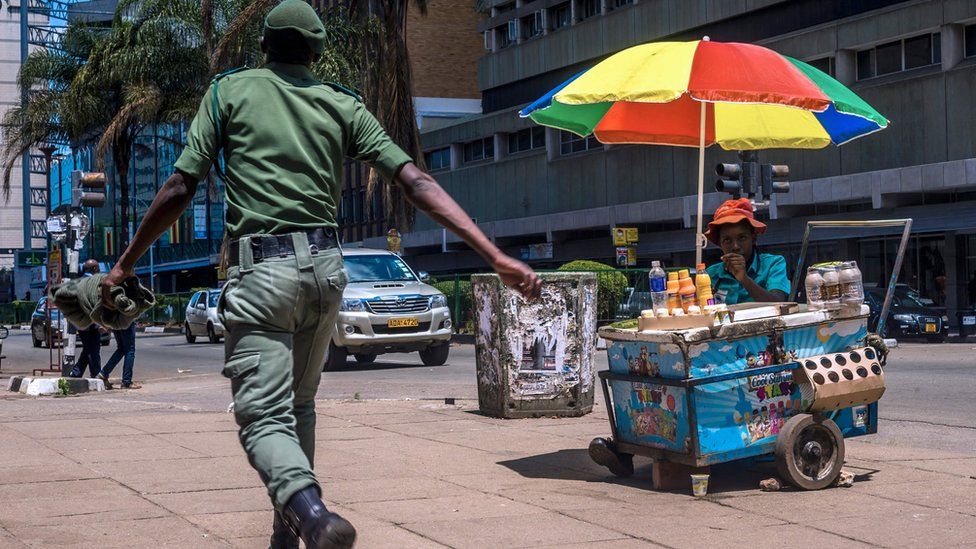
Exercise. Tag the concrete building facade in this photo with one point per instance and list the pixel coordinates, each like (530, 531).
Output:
(914, 61)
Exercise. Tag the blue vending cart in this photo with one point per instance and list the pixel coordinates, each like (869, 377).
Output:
(789, 385)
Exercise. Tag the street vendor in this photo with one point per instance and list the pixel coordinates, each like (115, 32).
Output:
(744, 274)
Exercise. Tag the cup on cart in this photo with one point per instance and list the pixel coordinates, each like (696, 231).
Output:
(699, 485)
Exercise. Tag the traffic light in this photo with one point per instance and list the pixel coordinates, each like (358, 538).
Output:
(739, 179)
(774, 179)
(87, 189)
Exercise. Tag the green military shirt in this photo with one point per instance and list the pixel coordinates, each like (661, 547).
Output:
(285, 137)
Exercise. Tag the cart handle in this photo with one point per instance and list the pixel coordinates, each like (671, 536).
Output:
(889, 294)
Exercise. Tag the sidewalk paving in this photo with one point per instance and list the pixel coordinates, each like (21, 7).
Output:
(134, 470)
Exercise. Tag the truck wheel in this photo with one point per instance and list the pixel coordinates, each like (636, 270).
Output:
(809, 452)
(336, 358)
(190, 338)
(363, 358)
(435, 355)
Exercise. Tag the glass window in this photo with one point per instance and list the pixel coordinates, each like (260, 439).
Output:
(560, 16)
(622, 3)
(195, 298)
(479, 149)
(570, 143)
(504, 38)
(887, 58)
(532, 25)
(588, 8)
(377, 268)
(526, 140)
(212, 299)
(865, 64)
(970, 39)
(438, 159)
(825, 64)
(918, 51)
(505, 7)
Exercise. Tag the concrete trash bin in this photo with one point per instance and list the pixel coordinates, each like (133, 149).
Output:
(536, 358)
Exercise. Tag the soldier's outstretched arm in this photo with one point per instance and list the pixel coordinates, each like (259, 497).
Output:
(425, 193)
(170, 202)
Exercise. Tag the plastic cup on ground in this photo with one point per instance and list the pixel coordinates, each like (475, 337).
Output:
(699, 485)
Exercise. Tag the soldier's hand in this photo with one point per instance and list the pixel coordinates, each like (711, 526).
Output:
(519, 276)
(115, 277)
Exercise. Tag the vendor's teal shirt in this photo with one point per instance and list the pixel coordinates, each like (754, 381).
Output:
(766, 270)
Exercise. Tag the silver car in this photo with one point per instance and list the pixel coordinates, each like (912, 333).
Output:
(201, 317)
(387, 308)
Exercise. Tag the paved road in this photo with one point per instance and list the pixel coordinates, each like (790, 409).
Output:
(928, 402)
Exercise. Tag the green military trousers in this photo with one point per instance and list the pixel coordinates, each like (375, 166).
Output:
(278, 315)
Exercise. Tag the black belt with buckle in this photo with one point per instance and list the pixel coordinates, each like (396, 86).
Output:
(269, 245)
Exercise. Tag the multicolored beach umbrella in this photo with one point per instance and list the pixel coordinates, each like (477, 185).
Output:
(696, 94)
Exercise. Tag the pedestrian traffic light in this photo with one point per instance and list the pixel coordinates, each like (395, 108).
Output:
(774, 179)
(87, 189)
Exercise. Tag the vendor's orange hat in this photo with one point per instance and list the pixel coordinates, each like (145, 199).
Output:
(730, 213)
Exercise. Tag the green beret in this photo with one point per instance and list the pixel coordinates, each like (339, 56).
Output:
(298, 17)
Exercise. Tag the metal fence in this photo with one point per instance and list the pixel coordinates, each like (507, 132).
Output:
(17, 312)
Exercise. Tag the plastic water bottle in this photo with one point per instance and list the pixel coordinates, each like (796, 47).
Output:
(659, 284)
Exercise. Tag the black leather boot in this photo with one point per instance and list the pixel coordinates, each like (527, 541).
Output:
(317, 526)
(282, 536)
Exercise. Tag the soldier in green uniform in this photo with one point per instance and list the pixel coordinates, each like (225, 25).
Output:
(284, 136)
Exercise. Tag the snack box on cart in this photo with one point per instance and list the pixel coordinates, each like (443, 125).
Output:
(689, 397)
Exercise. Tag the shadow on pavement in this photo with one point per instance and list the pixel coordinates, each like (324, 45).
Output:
(380, 365)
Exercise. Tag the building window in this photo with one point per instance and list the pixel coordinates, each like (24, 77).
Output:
(588, 8)
(561, 16)
(526, 140)
(532, 25)
(825, 64)
(438, 159)
(570, 143)
(506, 35)
(504, 8)
(970, 38)
(479, 149)
(621, 3)
(900, 55)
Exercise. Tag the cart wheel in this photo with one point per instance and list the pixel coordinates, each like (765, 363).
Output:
(809, 452)
(604, 452)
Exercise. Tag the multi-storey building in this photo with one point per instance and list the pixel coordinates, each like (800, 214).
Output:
(913, 60)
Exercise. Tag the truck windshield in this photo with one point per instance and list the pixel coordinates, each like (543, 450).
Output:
(377, 268)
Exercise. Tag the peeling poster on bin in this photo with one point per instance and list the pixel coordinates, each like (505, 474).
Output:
(546, 355)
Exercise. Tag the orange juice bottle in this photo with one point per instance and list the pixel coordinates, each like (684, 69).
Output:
(703, 283)
(686, 290)
(674, 302)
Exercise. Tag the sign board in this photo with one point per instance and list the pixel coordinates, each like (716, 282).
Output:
(535, 252)
(623, 236)
(57, 224)
(28, 259)
(54, 267)
(626, 256)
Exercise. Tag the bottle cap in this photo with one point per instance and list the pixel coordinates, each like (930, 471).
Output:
(683, 273)
(672, 276)
(701, 267)
(655, 264)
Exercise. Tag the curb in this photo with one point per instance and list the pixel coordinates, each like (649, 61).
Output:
(159, 330)
(42, 386)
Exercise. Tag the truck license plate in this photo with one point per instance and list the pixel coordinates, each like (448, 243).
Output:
(411, 322)
(930, 328)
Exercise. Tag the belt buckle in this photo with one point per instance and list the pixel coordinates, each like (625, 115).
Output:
(313, 249)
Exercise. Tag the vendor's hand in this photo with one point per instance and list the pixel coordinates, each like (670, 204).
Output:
(735, 264)
(518, 276)
(115, 277)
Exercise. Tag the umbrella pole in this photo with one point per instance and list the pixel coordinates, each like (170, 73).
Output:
(699, 237)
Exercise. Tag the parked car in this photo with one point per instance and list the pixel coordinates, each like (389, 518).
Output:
(908, 317)
(41, 328)
(387, 308)
(201, 317)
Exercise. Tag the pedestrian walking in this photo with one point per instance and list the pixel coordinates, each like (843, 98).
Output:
(125, 341)
(90, 338)
(284, 137)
